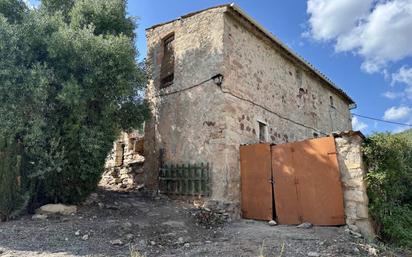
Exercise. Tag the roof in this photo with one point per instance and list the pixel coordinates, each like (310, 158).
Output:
(275, 40)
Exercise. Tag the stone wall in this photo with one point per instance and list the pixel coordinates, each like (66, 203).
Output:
(258, 70)
(124, 164)
(207, 123)
(348, 146)
(263, 84)
(188, 125)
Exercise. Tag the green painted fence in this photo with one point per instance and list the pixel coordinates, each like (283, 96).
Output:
(185, 179)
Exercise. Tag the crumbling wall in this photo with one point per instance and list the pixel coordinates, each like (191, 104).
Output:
(348, 146)
(124, 164)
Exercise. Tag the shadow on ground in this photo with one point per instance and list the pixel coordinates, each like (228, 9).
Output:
(111, 222)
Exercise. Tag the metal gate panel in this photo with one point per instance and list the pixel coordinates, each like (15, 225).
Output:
(255, 166)
(286, 194)
(307, 183)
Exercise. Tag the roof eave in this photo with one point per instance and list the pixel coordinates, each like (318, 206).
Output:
(234, 7)
(299, 58)
(188, 15)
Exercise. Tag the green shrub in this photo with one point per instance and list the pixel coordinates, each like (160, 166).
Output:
(389, 161)
(12, 199)
(69, 83)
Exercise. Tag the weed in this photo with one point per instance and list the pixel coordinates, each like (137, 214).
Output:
(134, 252)
(262, 247)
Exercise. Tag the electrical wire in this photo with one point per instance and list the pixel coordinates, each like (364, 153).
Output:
(380, 120)
(185, 89)
(244, 99)
(273, 112)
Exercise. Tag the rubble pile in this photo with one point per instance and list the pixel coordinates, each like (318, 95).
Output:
(124, 165)
(125, 177)
(209, 218)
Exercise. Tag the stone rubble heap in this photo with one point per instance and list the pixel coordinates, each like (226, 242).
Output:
(124, 165)
(213, 214)
(126, 177)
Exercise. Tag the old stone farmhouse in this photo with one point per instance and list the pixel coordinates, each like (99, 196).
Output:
(268, 94)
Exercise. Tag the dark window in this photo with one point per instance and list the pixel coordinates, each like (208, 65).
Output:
(331, 101)
(168, 62)
(262, 132)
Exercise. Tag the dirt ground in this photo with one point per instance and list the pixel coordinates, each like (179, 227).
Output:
(128, 224)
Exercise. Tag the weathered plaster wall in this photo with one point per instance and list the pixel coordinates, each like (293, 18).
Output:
(188, 125)
(206, 123)
(353, 172)
(256, 70)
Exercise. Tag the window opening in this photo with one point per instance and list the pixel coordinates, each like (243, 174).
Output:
(168, 60)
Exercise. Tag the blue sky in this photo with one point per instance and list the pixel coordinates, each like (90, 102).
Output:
(365, 46)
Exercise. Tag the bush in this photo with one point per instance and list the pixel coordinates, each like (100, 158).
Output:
(389, 161)
(69, 83)
(12, 200)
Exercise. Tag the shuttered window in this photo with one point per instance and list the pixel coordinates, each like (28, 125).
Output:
(168, 61)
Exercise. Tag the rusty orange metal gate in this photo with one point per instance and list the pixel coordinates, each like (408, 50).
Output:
(256, 176)
(306, 186)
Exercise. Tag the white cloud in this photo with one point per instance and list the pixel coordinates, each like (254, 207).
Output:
(397, 113)
(331, 18)
(408, 92)
(379, 31)
(404, 75)
(393, 95)
(358, 125)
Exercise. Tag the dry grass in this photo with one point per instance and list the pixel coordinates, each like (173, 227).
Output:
(282, 249)
(134, 252)
(261, 254)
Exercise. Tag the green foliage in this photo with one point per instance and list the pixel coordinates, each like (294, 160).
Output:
(106, 17)
(12, 198)
(389, 160)
(407, 134)
(13, 10)
(53, 6)
(69, 83)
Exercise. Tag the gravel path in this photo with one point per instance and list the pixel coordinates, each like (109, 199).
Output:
(113, 223)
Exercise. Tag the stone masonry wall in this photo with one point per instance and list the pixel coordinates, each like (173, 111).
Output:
(257, 71)
(353, 172)
(208, 124)
(188, 125)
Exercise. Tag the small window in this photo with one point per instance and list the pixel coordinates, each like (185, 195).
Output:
(168, 61)
(331, 101)
(263, 131)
